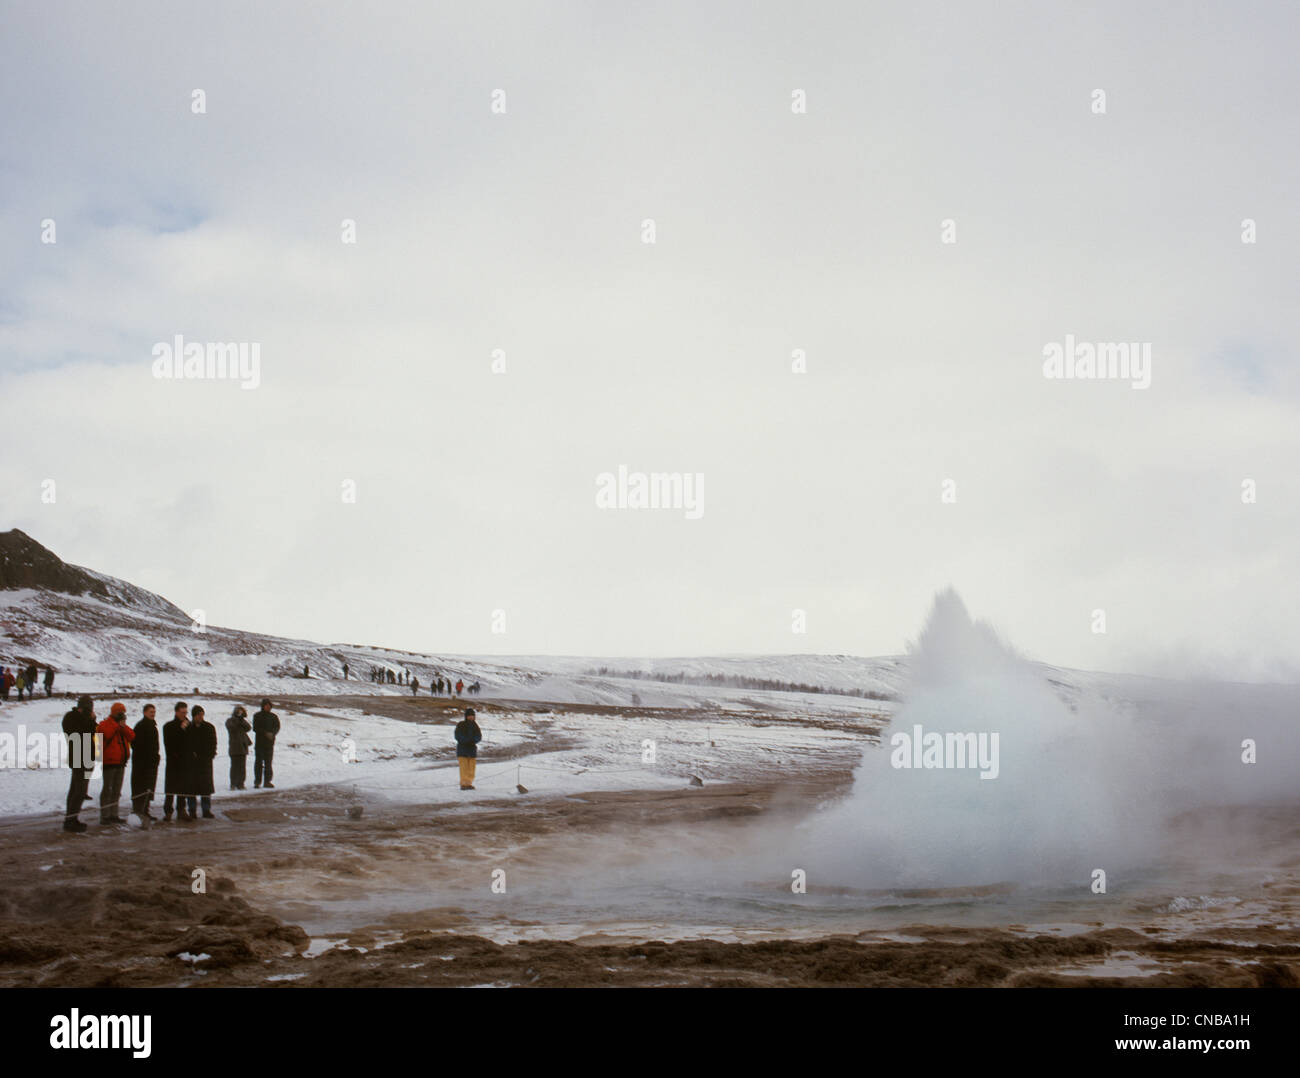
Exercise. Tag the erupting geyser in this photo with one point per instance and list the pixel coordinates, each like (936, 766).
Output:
(986, 776)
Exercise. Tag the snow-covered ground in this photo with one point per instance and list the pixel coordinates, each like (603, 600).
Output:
(395, 759)
(128, 640)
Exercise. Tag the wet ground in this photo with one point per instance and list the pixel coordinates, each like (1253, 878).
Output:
(627, 887)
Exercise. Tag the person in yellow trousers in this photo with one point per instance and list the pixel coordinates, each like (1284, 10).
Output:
(468, 735)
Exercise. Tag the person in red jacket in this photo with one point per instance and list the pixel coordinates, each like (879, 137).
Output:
(117, 750)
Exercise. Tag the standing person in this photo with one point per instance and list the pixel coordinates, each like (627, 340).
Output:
(22, 682)
(266, 724)
(460, 686)
(49, 682)
(439, 684)
(468, 735)
(79, 727)
(203, 745)
(144, 763)
(237, 727)
(6, 682)
(117, 750)
(345, 671)
(177, 743)
(415, 686)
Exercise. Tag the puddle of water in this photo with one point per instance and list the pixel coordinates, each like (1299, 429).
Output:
(1119, 964)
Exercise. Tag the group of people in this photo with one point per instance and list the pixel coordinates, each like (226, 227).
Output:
(189, 742)
(382, 675)
(25, 681)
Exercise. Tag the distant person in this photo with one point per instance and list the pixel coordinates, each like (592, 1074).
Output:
(415, 686)
(468, 735)
(460, 686)
(176, 742)
(79, 728)
(345, 671)
(49, 682)
(6, 682)
(439, 684)
(117, 750)
(266, 724)
(203, 746)
(237, 728)
(144, 763)
(22, 684)
(306, 672)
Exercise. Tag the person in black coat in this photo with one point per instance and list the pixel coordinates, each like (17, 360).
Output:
(144, 763)
(468, 735)
(237, 728)
(266, 724)
(203, 750)
(79, 727)
(176, 778)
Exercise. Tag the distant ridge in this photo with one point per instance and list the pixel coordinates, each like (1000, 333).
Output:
(24, 563)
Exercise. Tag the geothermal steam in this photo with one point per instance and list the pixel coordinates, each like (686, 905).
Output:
(1077, 788)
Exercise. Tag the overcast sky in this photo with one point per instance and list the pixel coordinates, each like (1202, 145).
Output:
(774, 231)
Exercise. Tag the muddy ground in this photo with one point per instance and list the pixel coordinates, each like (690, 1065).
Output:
(118, 907)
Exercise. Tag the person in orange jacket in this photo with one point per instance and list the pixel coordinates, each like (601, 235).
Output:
(117, 750)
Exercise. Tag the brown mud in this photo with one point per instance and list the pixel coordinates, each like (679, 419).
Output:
(117, 907)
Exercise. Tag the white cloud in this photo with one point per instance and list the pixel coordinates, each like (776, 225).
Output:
(775, 232)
